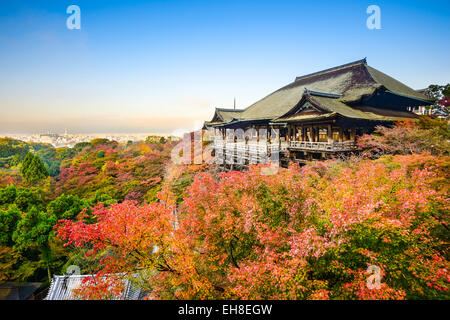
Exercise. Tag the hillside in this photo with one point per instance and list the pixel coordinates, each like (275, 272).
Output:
(305, 232)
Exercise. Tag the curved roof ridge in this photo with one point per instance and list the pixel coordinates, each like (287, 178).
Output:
(322, 93)
(394, 85)
(343, 66)
(229, 109)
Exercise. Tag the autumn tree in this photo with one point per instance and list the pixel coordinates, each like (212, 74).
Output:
(304, 233)
(407, 137)
(125, 237)
(441, 95)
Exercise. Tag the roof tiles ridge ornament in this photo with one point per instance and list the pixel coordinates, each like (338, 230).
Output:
(341, 67)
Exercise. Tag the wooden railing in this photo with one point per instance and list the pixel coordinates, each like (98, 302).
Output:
(254, 148)
(323, 146)
(248, 152)
(243, 153)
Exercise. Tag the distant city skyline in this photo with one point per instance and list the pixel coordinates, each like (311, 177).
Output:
(161, 66)
(69, 140)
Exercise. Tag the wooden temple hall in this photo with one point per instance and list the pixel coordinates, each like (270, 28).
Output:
(317, 115)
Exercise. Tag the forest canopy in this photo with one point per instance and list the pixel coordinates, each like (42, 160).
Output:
(191, 232)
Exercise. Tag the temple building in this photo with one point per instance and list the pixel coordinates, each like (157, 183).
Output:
(319, 114)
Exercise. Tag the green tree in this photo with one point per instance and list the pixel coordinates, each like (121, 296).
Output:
(34, 232)
(99, 197)
(26, 198)
(33, 169)
(26, 163)
(50, 159)
(8, 223)
(100, 154)
(80, 146)
(65, 207)
(15, 160)
(10, 147)
(99, 141)
(437, 93)
(8, 195)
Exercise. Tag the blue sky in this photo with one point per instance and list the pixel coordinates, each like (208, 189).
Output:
(157, 66)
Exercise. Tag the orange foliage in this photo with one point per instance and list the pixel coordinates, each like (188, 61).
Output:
(304, 233)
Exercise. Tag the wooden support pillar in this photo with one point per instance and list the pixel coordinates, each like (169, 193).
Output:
(341, 135)
(330, 133)
(353, 135)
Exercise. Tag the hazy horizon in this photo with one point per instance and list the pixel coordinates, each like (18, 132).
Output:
(4, 134)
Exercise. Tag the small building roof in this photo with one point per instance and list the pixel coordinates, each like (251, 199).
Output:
(228, 114)
(62, 288)
(18, 290)
(223, 115)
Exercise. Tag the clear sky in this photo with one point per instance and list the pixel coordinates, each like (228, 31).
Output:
(157, 66)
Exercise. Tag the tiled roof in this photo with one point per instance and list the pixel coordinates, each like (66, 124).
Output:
(228, 114)
(62, 288)
(18, 290)
(351, 81)
(332, 106)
